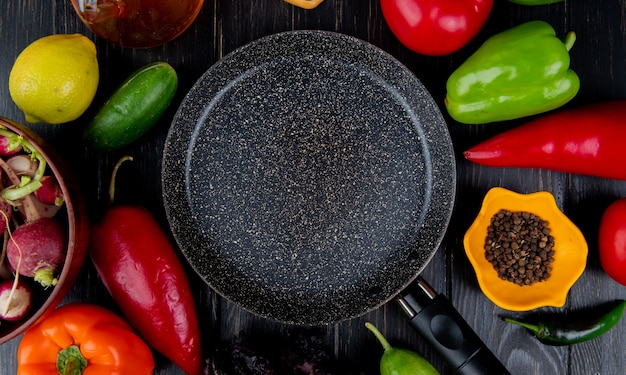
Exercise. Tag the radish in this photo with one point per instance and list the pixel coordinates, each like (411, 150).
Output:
(50, 192)
(15, 300)
(9, 145)
(20, 193)
(23, 165)
(37, 249)
(32, 209)
(24, 171)
(8, 194)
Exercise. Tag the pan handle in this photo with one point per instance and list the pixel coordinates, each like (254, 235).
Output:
(434, 317)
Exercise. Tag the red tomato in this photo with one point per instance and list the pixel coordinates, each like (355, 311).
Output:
(612, 241)
(435, 27)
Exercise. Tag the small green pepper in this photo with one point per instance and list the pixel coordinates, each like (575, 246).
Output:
(571, 332)
(519, 72)
(397, 361)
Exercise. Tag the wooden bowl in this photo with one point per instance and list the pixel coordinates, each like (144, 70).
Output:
(75, 212)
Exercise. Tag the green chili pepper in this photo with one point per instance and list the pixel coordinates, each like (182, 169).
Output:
(397, 361)
(519, 72)
(570, 332)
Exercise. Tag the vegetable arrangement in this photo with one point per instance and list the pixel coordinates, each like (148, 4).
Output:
(80, 338)
(35, 240)
(583, 140)
(140, 269)
(519, 72)
(575, 141)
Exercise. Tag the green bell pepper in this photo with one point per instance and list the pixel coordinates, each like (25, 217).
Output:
(519, 72)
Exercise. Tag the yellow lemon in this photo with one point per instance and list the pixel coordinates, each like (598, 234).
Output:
(54, 79)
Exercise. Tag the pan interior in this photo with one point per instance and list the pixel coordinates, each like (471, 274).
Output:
(306, 186)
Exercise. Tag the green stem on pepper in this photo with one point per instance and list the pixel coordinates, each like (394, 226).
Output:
(70, 361)
(570, 39)
(114, 176)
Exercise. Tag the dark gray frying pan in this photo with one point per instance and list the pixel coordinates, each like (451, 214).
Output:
(309, 177)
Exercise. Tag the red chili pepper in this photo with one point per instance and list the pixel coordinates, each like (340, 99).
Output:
(141, 270)
(587, 140)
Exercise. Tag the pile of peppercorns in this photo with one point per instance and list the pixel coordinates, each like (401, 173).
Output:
(520, 247)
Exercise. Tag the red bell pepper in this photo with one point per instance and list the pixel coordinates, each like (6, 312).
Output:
(586, 140)
(435, 27)
(141, 270)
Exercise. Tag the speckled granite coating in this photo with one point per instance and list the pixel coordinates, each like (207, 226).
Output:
(308, 176)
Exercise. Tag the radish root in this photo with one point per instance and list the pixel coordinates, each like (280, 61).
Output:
(17, 268)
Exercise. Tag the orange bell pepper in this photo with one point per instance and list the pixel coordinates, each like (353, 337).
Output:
(81, 338)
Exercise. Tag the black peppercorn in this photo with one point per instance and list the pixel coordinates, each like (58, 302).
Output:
(520, 247)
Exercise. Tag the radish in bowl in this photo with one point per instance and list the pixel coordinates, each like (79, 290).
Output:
(44, 224)
(16, 299)
(37, 249)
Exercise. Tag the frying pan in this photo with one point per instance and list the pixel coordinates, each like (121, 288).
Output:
(309, 177)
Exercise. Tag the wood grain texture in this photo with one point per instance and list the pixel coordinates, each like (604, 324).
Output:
(599, 57)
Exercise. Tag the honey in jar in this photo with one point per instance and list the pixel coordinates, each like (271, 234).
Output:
(138, 23)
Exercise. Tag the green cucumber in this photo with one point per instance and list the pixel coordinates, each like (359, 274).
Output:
(133, 108)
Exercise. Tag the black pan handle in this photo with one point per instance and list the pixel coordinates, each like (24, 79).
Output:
(434, 317)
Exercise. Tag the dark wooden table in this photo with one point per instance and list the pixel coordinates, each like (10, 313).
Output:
(599, 57)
